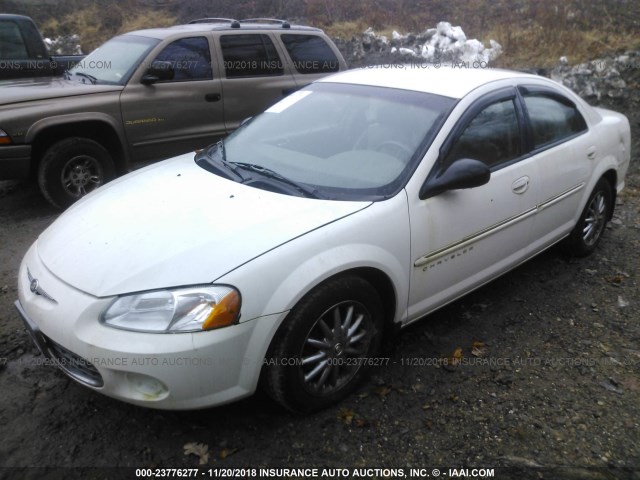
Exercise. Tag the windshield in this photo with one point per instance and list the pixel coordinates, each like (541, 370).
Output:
(113, 62)
(334, 141)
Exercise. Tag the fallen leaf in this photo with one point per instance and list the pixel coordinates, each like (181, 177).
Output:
(383, 391)
(456, 358)
(361, 423)
(616, 279)
(226, 452)
(478, 349)
(198, 449)
(346, 416)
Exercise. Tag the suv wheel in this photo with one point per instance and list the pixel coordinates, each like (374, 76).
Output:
(72, 168)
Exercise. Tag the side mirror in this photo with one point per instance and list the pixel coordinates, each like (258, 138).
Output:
(463, 173)
(158, 72)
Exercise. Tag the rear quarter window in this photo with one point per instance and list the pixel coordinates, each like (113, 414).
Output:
(310, 54)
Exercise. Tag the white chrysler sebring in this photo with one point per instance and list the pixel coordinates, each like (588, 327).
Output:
(281, 256)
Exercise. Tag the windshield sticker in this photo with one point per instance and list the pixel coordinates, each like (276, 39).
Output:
(285, 103)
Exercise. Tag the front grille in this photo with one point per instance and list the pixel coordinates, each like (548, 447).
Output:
(74, 365)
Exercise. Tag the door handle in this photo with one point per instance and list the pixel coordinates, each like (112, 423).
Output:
(520, 185)
(212, 97)
(591, 153)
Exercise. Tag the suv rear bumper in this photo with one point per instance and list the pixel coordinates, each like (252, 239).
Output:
(15, 162)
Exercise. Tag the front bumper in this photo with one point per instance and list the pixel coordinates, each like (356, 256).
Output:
(15, 162)
(165, 371)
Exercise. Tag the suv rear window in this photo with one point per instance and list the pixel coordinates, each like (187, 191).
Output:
(11, 43)
(310, 54)
(250, 55)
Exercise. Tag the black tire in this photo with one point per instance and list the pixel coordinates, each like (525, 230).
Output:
(334, 329)
(73, 167)
(586, 235)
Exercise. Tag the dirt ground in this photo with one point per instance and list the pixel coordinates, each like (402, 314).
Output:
(549, 385)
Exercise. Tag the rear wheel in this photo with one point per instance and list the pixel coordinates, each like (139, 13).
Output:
(320, 353)
(586, 234)
(72, 168)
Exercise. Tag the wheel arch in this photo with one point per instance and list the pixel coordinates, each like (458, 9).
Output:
(99, 128)
(612, 177)
(379, 280)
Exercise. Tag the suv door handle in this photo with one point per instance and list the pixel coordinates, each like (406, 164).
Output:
(591, 153)
(212, 97)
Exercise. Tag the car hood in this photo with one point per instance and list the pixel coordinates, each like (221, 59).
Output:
(25, 90)
(174, 224)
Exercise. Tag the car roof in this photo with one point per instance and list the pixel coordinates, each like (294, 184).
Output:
(242, 27)
(448, 81)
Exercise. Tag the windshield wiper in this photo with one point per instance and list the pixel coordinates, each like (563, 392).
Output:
(215, 157)
(309, 192)
(91, 78)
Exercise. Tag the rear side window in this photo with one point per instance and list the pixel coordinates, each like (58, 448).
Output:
(190, 59)
(552, 119)
(493, 136)
(310, 54)
(12, 46)
(250, 55)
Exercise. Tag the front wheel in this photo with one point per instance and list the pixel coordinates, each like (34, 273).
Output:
(586, 234)
(72, 168)
(322, 351)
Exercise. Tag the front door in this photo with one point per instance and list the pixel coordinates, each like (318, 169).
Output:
(462, 238)
(175, 116)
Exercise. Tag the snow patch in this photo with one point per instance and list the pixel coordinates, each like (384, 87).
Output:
(443, 44)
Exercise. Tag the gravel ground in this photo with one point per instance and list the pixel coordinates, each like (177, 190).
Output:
(548, 386)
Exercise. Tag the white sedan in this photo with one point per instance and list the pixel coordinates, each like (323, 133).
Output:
(283, 254)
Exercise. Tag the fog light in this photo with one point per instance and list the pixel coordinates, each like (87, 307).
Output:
(147, 388)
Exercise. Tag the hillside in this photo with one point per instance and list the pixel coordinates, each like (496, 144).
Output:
(531, 33)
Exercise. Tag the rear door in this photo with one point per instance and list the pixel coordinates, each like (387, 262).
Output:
(565, 156)
(254, 77)
(174, 116)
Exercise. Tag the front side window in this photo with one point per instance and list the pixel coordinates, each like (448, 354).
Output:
(493, 136)
(250, 55)
(341, 141)
(190, 59)
(310, 54)
(552, 119)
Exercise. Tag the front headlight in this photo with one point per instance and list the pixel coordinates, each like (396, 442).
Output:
(5, 139)
(174, 311)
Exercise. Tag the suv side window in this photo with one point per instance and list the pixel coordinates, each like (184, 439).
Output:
(190, 59)
(310, 54)
(250, 55)
(552, 119)
(12, 46)
(493, 136)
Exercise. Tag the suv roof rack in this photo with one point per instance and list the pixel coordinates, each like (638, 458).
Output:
(284, 23)
(234, 23)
